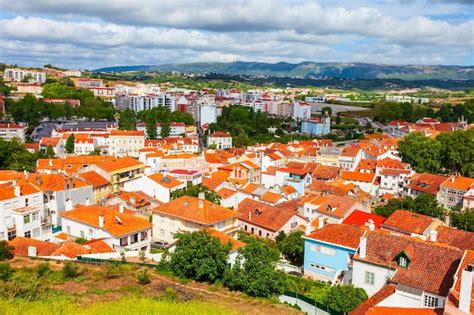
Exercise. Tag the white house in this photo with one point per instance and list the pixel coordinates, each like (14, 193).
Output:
(157, 185)
(126, 142)
(349, 158)
(190, 214)
(220, 140)
(120, 228)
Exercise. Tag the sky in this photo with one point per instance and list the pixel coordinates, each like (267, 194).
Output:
(92, 34)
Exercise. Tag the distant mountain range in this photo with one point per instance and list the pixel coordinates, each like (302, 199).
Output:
(313, 69)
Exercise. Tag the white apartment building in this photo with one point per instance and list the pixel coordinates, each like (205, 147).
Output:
(220, 139)
(22, 212)
(158, 186)
(126, 142)
(10, 131)
(301, 111)
(138, 103)
(19, 74)
(207, 114)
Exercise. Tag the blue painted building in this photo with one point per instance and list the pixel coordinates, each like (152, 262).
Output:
(316, 127)
(328, 251)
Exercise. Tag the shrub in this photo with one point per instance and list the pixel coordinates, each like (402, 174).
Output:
(144, 277)
(70, 270)
(23, 287)
(6, 272)
(43, 269)
(112, 271)
(345, 298)
(6, 250)
(169, 295)
(80, 240)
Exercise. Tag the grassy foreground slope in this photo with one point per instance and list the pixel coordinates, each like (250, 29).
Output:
(122, 306)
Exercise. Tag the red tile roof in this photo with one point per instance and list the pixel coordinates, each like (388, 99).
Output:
(165, 180)
(407, 222)
(357, 176)
(426, 183)
(116, 223)
(94, 179)
(268, 217)
(338, 234)
(225, 239)
(386, 310)
(120, 164)
(360, 218)
(454, 296)
(431, 267)
(454, 237)
(459, 182)
(375, 299)
(187, 207)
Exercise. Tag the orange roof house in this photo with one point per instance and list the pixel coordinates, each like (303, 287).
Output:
(112, 220)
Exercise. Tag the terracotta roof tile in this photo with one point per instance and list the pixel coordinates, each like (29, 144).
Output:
(212, 183)
(115, 223)
(187, 207)
(407, 222)
(431, 267)
(166, 181)
(270, 197)
(375, 299)
(360, 218)
(120, 164)
(226, 193)
(94, 179)
(357, 176)
(269, 217)
(339, 234)
(43, 248)
(225, 239)
(454, 237)
(386, 310)
(458, 182)
(426, 183)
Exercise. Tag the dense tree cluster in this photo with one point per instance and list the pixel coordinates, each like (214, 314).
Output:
(345, 298)
(423, 204)
(200, 256)
(450, 152)
(292, 246)
(14, 156)
(195, 190)
(388, 111)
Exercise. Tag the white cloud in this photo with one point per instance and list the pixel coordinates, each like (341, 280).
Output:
(143, 31)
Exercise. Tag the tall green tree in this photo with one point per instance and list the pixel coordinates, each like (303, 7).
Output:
(128, 120)
(199, 256)
(345, 298)
(151, 129)
(165, 128)
(292, 247)
(457, 151)
(254, 271)
(70, 144)
(326, 109)
(424, 154)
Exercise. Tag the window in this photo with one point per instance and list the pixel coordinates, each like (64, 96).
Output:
(28, 234)
(369, 278)
(34, 216)
(402, 261)
(26, 219)
(323, 250)
(430, 301)
(11, 235)
(162, 232)
(26, 202)
(36, 232)
(91, 232)
(143, 235)
(134, 238)
(124, 241)
(82, 234)
(322, 267)
(68, 229)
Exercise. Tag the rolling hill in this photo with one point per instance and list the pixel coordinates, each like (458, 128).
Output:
(314, 69)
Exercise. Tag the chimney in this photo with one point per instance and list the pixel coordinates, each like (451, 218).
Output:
(309, 228)
(250, 215)
(101, 220)
(466, 290)
(121, 208)
(363, 247)
(68, 205)
(31, 251)
(452, 179)
(201, 197)
(88, 202)
(371, 225)
(50, 162)
(133, 201)
(320, 222)
(17, 191)
(433, 236)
